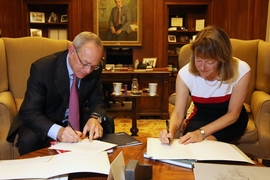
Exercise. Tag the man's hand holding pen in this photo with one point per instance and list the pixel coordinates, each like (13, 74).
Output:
(68, 134)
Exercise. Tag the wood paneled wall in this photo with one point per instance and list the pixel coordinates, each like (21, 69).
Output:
(242, 19)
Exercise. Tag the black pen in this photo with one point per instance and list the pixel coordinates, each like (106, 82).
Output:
(168, 131)
(72, 128)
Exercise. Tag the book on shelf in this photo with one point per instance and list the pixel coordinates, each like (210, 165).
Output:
(121, 139)
(201, 151)
(187, 163)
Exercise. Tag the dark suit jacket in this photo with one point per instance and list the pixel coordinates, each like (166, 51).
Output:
(125, 18)
(47, 96)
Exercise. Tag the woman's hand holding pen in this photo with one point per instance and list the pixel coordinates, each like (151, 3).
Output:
(165, 137)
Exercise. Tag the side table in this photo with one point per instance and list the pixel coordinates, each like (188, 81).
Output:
(134, 129)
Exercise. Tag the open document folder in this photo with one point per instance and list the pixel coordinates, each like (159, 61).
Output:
(83, 157)
(203, 151)
(50, 166)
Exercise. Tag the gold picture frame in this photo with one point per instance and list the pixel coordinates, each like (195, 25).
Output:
(35, 32)
(37, 17)
(102, 10)
(171, 38)
(150, 61)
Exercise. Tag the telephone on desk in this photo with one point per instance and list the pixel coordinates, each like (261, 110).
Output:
(143, 66)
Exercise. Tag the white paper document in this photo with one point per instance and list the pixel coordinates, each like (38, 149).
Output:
(233, 172)
(85, 146)
(51, 166)
(205, 150)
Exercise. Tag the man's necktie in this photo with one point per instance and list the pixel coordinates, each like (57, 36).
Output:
(117, 17)
(74, 116)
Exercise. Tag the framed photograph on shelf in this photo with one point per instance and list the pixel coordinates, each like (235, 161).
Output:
(171, 38)
(129, 25)
(150, 61)
(37, 17)
(35, 32)
(64, 18)
(176, 21)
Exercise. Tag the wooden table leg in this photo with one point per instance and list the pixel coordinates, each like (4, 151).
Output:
(134, 130)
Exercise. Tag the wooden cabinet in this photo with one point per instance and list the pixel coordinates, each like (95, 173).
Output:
(47, 18)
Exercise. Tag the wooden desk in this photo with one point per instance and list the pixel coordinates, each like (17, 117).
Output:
(161, 170)
(135, 98)
(148, 106)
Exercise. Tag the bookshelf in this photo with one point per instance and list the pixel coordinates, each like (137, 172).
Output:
(47, 18)
(182, 28)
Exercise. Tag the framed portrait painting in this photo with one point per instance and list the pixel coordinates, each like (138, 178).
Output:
(118, 26)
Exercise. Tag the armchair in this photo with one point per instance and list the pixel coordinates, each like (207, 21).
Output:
(256, 140)
(16, 56)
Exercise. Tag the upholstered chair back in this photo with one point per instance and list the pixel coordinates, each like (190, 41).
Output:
(20, 54)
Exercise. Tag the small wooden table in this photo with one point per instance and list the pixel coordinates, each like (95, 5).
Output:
(160, 171)
(146, 106)
(134, 129)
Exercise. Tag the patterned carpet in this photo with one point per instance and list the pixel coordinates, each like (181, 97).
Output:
(147, 127)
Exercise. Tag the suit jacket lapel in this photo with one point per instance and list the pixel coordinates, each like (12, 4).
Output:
(62, 79)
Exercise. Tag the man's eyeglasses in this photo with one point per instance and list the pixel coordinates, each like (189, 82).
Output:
(95, 67)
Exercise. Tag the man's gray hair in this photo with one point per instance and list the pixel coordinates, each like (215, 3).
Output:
(85, 37)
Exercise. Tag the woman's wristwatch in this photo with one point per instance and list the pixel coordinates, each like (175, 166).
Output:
(202, 133)
(96, 116)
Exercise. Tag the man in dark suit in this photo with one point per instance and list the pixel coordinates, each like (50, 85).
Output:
(43, 115)
(119, 24)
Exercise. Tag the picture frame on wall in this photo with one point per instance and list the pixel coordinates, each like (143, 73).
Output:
(150, 61)
(127, 32)
(37, 17)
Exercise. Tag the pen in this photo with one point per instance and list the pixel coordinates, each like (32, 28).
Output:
(72, 128)
(167, 126)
